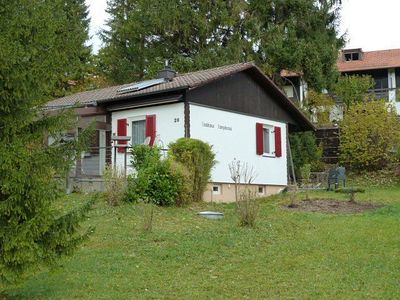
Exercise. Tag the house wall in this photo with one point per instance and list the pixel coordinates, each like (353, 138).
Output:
(227, 191)
(169, 124)
(241, 93)
(234, 136)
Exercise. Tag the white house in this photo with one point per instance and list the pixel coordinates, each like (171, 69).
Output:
(235, 108)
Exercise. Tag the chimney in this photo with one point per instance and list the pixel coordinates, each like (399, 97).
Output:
(167, 73)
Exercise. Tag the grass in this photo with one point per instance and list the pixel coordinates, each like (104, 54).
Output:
(289, 255)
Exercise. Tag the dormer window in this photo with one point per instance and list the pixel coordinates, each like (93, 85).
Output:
(352, 55)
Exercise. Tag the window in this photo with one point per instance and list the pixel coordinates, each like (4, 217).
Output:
(138, 132)
(352, 56)
(269, 140)
(288, 91)
(261, 189)
(216, 189)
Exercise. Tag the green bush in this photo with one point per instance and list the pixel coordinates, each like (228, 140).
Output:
(156, 181)
(198, 158)
(370, 133)
(353, 89)
(305, 151)
(144, 156)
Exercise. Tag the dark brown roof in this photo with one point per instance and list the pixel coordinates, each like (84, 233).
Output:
(371, 60)
(187, 80)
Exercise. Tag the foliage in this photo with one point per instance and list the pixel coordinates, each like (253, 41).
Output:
(296, 35)
(143, 156)
(115, 185)
(198, 159)
(247, 208)
(72, 35)
(32, 63)
(305, 151)
(156, 181)
(320, 105)
(353, 89)
(369, 133)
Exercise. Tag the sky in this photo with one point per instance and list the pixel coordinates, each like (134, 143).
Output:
(368, 24)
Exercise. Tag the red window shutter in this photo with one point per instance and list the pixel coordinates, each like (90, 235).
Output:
(151, 128)
(259, 138)
(278, 142)
(122, 131)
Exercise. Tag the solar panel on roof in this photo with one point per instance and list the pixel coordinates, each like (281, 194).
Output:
(140, 86)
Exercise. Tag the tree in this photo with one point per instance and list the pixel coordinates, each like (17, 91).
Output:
(305, 150)
(32, 231)
(297, 35)
(353, 89)
(370, 131)
(72, 37)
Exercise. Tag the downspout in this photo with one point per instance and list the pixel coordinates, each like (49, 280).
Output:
(186, 114)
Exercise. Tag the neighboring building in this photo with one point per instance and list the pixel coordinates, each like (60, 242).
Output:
(383, 66)
(235, 108)
(294, 86)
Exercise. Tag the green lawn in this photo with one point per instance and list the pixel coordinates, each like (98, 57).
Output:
(290, 255)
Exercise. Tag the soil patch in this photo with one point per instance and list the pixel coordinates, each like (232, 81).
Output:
(331, 206)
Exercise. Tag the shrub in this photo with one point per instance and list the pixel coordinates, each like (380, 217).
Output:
(305, 151)
(156, 181)
(353, 89)
(247, 208)
(198, 158)
(144, 156)
(305, 171)
(115, 185)
(369, 133)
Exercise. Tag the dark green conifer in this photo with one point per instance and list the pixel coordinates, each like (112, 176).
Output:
(33, 231)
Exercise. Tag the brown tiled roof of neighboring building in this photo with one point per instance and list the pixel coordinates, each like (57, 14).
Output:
(181, 81)
(371, 60)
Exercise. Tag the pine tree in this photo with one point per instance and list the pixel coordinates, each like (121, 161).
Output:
(72, 37)
(32, 231)
(299, 35)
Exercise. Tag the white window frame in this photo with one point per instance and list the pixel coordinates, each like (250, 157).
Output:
(219, 191)
(271, 138)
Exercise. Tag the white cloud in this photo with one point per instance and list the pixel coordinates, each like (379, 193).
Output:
(371, 25)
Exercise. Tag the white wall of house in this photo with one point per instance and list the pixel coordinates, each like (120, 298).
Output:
(169, 124)
(233, 135)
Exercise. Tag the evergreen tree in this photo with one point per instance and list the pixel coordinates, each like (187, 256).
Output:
(32, 231)
(72, 37)
(299, 35)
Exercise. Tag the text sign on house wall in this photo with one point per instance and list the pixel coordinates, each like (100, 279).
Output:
(216, 126)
